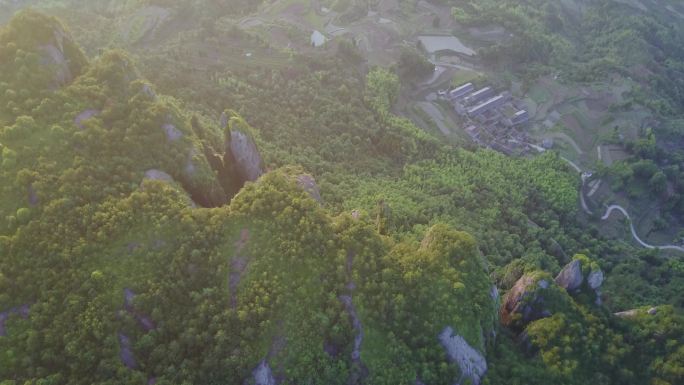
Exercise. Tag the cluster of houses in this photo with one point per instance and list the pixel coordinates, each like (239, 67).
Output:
(492, 119)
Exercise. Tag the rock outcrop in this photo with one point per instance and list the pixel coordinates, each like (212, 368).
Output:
(595, 279)
(126, 352)
(356, 323)
(246, 156)
(172, 133)
(571, 277)
(144, 320)
(308, 184)
(582, 274)
(240, 159)
(149, 92)
(55, 57)
(635, 312)
(263, 375)
(83, 116)
(155, 174)
(472, 363)
(525, 302)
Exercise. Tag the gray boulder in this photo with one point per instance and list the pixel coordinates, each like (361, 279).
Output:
(147, 90)
(627, 313)
(154, 174)
(472, 363)
(263, 375)
(223, 121)
(54, 57)
(571, 278)
(308, 184)
(356, 323)
(595, 279)
(525, 298)
(83, 116)
(126, 352)
(246, 155)
(172, 133)
(494, 293)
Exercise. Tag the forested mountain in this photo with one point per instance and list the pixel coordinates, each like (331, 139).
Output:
(170, 215)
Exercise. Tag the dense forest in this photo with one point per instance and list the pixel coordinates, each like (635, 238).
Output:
(279, 224)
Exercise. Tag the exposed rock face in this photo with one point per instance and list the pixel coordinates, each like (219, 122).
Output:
(223, 121)
(308, 184)
(472, 363)
(172, 133)
(494, 293)
(199, 181)
(627, 313)
(129, 295)
(356, 323)
(595, 279)
(571, 278)
(33, 196)
(154, 174)
(263, 375)
(55, 58)
(144, 321)
(190, 167)
(83, 116)
(635, 312)
(126, 352)
(147, 90)
(246, 156)
(526, 300)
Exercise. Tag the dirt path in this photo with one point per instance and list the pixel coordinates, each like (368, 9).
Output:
(436, 116)
(564, 137)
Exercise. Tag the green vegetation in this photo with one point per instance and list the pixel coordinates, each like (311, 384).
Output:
(141, 253)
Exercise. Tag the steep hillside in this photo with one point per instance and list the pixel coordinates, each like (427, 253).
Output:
(112, 272)
(280, 225)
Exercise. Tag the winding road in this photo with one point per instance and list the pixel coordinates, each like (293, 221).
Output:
(634, 234)
(621, 209)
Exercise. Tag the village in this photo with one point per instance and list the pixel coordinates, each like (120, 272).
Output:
(491, 119)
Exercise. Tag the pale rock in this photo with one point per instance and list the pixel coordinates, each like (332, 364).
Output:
(154, 174)
(571, 278)
(595, 279)
(246, 155)
(172, 133)
(308, 184)
(472, 363)
(263, 375)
